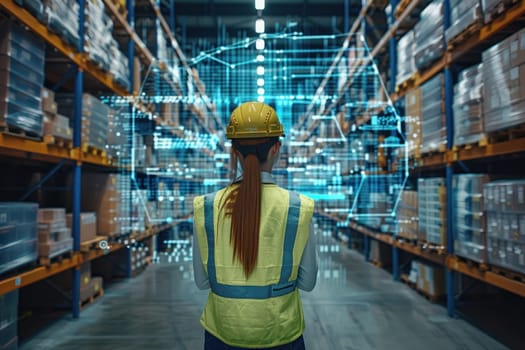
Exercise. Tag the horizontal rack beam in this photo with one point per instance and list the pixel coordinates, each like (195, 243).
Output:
(77, 258)
(452, 262)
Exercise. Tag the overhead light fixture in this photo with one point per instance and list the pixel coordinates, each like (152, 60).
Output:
(260, 58)
(260, 70)
(260, 98)
(260, 91)
(259, 44)
(259, 26)
(259, 5)
(260, 82)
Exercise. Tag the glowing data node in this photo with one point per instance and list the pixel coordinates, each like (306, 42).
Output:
(259, 26)
(259, 44)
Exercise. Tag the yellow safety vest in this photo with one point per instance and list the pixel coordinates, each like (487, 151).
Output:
(264, 310)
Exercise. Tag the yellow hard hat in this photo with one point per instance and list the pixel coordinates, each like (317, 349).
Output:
(254, 120)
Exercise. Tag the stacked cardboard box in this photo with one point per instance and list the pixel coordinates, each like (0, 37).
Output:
(54, 237)
(9, 321)
(406, 64)
(504, 203)
(88, 225)
(61, 17)
(463, 14)
(21, 78)
(54, 124)
(432, 210)
(98, 42)
(433, 120)
(428, 35)
(18, 228)
(105, 195)
(504, 83)
(413, 122)
(468, 106)
(94, 118)
(469, 220)
(407, 215)
(429, 279)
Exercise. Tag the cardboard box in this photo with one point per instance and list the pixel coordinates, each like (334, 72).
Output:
(48, 101)
(56, 235)
(431, 280)
(53, 248)
(88, 226)
(46, 215)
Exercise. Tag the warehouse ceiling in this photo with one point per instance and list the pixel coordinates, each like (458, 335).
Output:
(207, 22)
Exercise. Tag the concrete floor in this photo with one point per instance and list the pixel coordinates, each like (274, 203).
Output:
(354, 306)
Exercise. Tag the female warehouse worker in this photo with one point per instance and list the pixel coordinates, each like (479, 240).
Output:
(254, 244)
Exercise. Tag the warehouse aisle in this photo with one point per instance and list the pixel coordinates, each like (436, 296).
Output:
(354, 306)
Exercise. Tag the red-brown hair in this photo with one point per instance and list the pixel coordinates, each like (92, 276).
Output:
(243, 203)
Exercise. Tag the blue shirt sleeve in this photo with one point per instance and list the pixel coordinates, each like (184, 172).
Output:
(307, 276)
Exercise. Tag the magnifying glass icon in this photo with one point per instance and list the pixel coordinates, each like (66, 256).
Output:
(104, 245)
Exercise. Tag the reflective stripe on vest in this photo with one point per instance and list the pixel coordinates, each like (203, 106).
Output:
(254, 292)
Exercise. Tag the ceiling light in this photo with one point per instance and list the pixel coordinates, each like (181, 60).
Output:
(260, 98)
(259, 26)
(259, 44)
(260, 58)
(259, 4)
(260, 82)
(260, 70)
(260, 91)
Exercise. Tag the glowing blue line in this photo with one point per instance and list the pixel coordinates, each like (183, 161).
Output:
(354, 205)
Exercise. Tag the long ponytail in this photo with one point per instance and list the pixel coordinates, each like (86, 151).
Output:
(243, 203)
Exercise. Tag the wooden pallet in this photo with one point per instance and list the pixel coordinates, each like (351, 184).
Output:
(513, 133)
(47, 261)
(481, 143)
(468, 32)
(516, 276)
(482, 266)
(58, 141)
(499, 9)
(91, 244)
(433, 247)
(14, 131)
(407, 240)
(407, 84)
(88, 149)
(92, 299)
